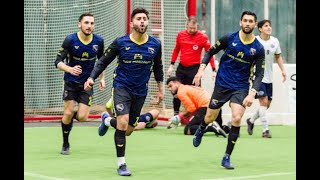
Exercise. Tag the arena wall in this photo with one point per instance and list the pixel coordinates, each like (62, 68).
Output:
(283, 107)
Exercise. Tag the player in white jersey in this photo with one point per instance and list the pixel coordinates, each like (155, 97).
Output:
(272, 52)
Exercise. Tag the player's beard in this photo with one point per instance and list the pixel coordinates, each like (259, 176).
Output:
(139, 29)
(247, 31)
(85, 32)
(174, 93)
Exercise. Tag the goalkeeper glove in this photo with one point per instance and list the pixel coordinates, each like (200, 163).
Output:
(174, 122)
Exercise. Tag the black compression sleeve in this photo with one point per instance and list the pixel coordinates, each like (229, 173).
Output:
(219, 45)
(63, 51)
(158, 67)
(260, 63)
(108, 56)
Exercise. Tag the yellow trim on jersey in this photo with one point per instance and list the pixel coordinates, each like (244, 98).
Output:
(251, 75)
(247, 42)
(139, 43)
(85, 42)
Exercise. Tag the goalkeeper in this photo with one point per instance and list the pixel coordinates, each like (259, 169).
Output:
(196, 101)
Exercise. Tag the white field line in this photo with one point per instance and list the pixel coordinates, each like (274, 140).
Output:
(254, 176)
(42, 176)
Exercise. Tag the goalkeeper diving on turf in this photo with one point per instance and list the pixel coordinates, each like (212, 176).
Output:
(195, 100)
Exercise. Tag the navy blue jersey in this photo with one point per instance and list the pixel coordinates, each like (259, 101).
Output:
(75, 52)
(237, 62)
(135, 62)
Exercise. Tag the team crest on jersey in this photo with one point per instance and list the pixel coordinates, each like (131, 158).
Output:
(137, 56)
(95, 48)
(150, 50)
(85, 54)
(272, 46)
(195, 47)
(120, 107)
(253, 51)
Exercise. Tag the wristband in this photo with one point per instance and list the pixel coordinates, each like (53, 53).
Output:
(253, 90)
(203, 65)
(172, 63)
(181, 116)
(90, 78)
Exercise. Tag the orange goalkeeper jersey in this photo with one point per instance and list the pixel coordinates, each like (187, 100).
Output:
(193, 97)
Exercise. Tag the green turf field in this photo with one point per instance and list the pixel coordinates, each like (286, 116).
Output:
(159, 153)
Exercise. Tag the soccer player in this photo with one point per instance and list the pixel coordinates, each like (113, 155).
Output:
(242, 51)
(195, 100)
(76, 58)
(264, 95)
(190, 43)
(146, 120)
(138, 54)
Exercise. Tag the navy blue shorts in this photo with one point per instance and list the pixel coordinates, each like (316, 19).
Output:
(222, 95)
(265, 90)
(124, 102)
(147, 118)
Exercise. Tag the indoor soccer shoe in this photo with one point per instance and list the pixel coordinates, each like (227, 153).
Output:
(123, 170)
(219, 130)
(226, 162)
(250, 127)
(226, 128)
(222, 132)
(152, 124)
(65, 151)
(103, 128)
(266, 134)
(198, 137)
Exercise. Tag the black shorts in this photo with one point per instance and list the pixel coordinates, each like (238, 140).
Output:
(222, 95)
(198, 117)
(127, 103)
(76, 92)
(186, 74)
